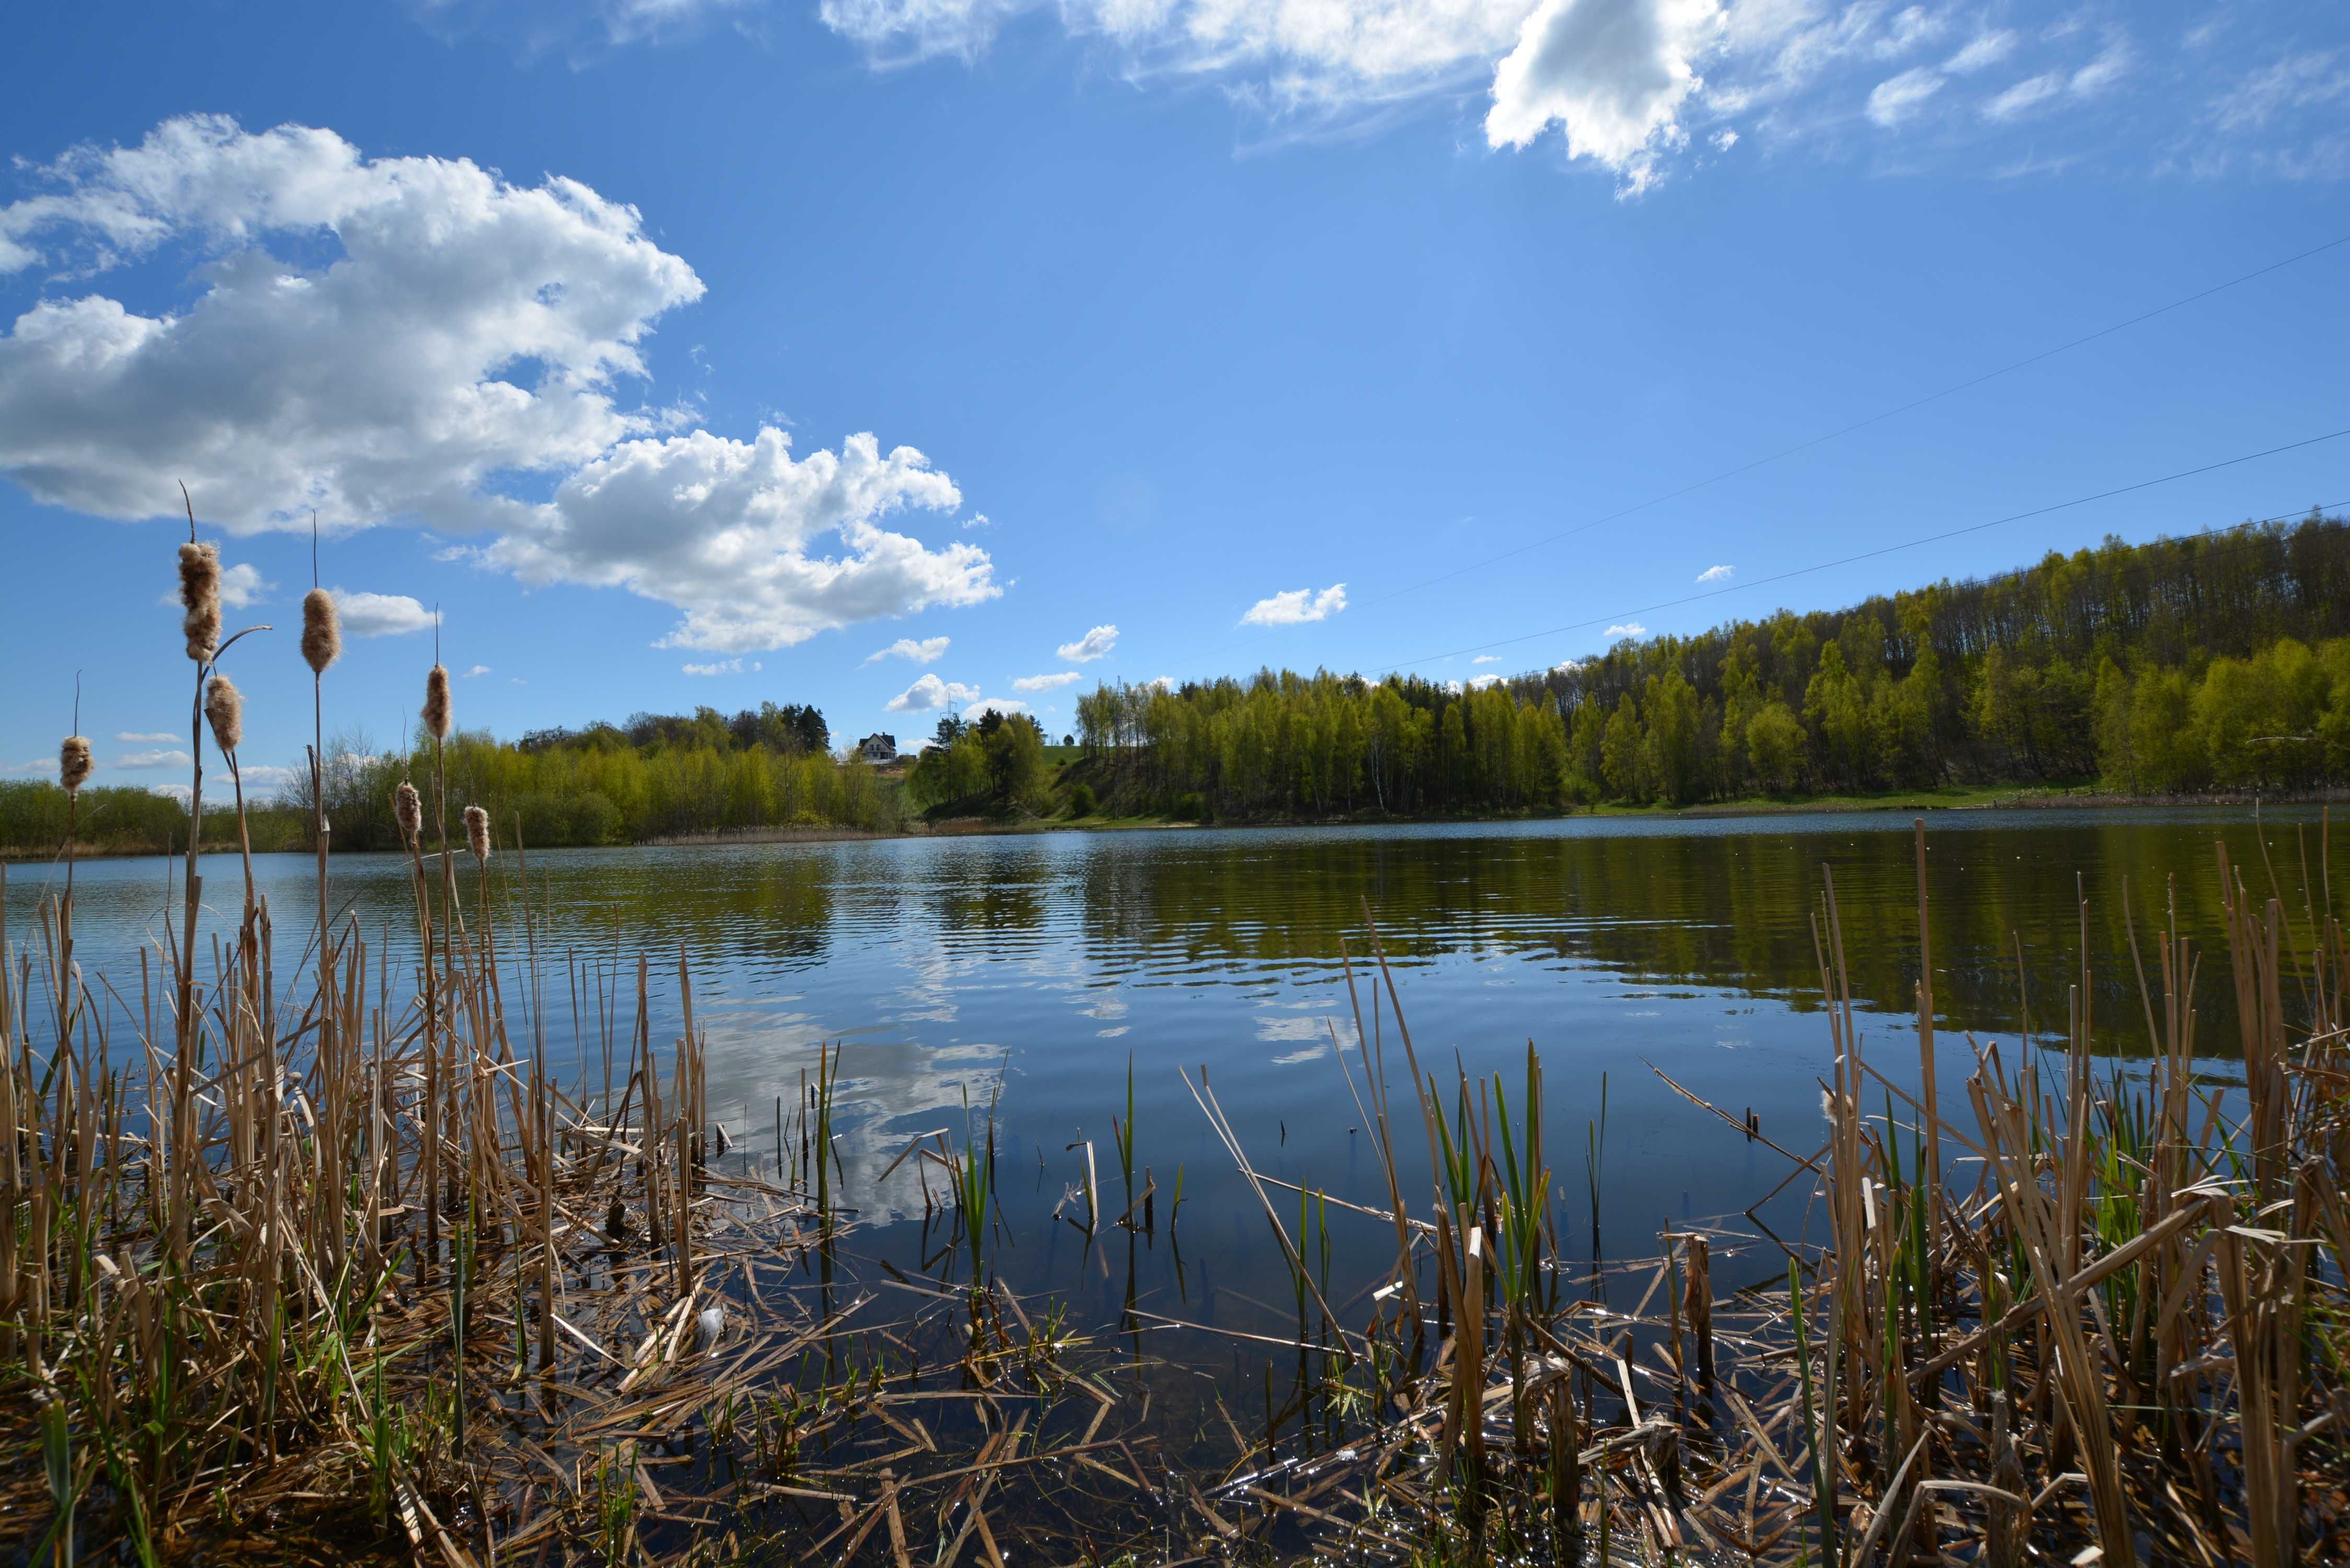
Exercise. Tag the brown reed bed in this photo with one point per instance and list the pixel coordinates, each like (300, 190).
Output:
(2097, 1315)
(330, 1262)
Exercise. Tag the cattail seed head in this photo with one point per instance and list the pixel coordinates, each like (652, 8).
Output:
(73, 763)
(477, 832)
(436, 702)
(408, 809)
(200, 574)
(322, 631)
(224, 707)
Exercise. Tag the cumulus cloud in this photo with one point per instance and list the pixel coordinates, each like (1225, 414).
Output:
(1715, 574)
(928, 693)
(1164, 682)
(1629, 628)
(1053, 682)
(1611, 74)
(926, 651)
(1297, 607)
(1899, 98)
(1093, 645)
(388, 339)
(1004, 705)
(380, 615)
(153, 759)
(1479, 682)
(721, 666)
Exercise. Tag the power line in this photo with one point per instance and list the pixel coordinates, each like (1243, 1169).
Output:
(1872, 555)
(1914, 403)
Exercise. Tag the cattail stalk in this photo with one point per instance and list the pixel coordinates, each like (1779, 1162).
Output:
(224, 710)
(408, 811)
(322, 644)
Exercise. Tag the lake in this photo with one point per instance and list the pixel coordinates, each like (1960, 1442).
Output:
(1028, 971)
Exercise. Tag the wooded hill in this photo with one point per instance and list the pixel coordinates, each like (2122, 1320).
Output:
(2216, 660)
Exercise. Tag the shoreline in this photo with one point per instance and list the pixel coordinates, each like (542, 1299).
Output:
(981, 827)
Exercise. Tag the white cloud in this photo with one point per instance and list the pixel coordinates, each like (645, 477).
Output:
(721, 666)
(1090, 647)
(1899, 99)
(1613, 73)
(148, 737)
(476, 670)
(2294, 82)
(2110, 66)
(394, 339)
(929, 692)
(154, 759)
(1053, 682)
(1004, 705)
(1164, 682)
(265, 778)
(380, 615)
(1983, 49)
(1487, 658)
(1566, 667)
(926, 651)
(1479, 682)
(40, 766)
(1629, 628)
(2024, 96)
(978, 520)
(1715, 574)
(1724, 139)
(1297, 607)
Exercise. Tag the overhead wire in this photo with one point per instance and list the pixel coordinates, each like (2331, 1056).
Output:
(1625, 616)
(1918, 402)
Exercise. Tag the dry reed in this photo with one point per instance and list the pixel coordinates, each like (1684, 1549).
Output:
(74, 762)
(322, 631)
(224, 710)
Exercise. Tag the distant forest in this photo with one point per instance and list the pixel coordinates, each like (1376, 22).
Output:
(656, 775)
(2184, 665)
(2217, 661)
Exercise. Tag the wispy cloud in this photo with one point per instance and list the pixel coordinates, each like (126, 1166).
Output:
(145, 737)
(1297, 607)
(1052, 682)
(1629, 628)
(926, 651)
(721, 667)
(154, 759)
(1487, 658)
(477, 669)
(1096, 643)
(1715, 574)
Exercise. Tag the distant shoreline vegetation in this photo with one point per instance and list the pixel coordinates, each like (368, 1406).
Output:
(2216, 664)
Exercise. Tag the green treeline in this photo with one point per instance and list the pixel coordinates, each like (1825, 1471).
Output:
(656, 776)
(2214, 661)
(121, 819)
(993, 764)
(601, 787)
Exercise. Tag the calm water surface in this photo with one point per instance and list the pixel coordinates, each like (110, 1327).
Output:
(1031, 970)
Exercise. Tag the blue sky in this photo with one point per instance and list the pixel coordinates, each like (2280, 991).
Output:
(684, 352)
